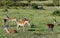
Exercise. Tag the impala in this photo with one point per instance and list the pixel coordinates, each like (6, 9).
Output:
(10, 31)
(51, 25)
(22, 23)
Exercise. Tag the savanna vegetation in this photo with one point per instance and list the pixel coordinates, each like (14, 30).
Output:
(39, 12)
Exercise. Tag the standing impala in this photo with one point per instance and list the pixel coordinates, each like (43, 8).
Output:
(11, 19)
(8, 19)
(22, 23)
(51, 25)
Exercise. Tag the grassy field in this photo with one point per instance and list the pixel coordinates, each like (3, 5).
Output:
(39, 18)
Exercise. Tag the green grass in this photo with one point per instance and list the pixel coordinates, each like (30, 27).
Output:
(37, 17)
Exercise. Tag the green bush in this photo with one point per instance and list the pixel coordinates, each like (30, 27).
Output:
(23, 4)
(34, 6)
(56, 12)
(12, 4)
(33, 26)
(5, 10)
(57, 4)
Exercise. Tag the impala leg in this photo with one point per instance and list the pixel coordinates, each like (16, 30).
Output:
(18, 26)
(23, 29)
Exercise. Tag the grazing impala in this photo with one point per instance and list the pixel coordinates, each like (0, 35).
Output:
(10, 31)
(22, 23)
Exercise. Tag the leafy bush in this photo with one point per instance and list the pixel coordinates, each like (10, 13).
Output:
(18, 4)
(29, 1)
(33, 26)
(5, 10)
(23, 4)
(57, 4)
(56, 12)
(34, 6)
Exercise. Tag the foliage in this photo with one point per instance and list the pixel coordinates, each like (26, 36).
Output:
(48, 4)
(23, 4)
(29, 1)
(5, 10)
(56, 2)
(10, 3)
(34, 6)
(56, 12)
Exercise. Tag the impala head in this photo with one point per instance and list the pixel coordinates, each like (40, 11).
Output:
(26, 21)
(54, 20)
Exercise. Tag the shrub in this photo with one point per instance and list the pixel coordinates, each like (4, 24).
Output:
(56, 12)
(23, 4)
(34, 6)
(33, 26)
(29, 1)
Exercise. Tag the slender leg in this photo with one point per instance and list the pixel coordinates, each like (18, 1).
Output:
(18, 26)
(23, 29)
(4, 23)
(52, 29)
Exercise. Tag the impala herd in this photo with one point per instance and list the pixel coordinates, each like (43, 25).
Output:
(22, 23)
